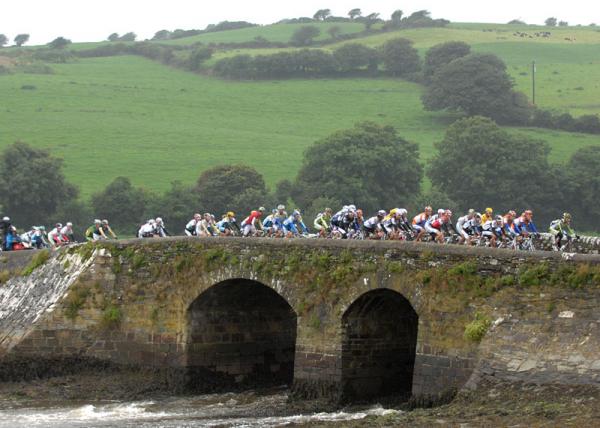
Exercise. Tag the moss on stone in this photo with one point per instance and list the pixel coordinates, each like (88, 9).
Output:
(5, 276)
(75, 301)
(111, 317)
(38, 260)
(476, 329)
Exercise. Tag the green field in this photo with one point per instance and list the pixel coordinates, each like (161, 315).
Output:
(130, 116)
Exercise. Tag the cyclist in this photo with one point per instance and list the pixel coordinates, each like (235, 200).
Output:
(561, 229)
(160, 228)
(437, 224)
(372, 227)
(108, 230)
(95, 232)
(190, 227)
(54, 236)
(322, 222)
(294, 225)
(205, 227)
(34, 238)
(344, 224)
(487, 216)
(395, 223)
(67, 234)
(228, 225)
(463, 224)
(492, 229)
(147, 230)
(252, 223)
(268, 223)
(418, 222)
(525, 224)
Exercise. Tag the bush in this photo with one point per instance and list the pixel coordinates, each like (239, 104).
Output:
(400, 57)
(442, 54)
(304, 36)
(198, 57)
(476, 329)
(354, 56)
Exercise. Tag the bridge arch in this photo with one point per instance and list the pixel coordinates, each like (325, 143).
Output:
(239, 332)
(379, 339)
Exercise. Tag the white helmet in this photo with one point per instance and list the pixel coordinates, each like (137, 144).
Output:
(281, 207)
(441, 211)
(69, 224)
(97, 221)
(159, 220)
(6, 219)
(381, 213)
(151, 221)
(352, 207)
(402, 212)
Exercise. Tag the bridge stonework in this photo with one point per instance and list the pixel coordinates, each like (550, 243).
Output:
(340, 320)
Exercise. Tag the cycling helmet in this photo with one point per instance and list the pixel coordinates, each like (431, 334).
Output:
(262, 209)
(498, 218)
(352, 207)
(381, 213)
(6, 219)
(328, 210)
(441, 211)
(566, 216)
(471, 211)
(105, 222)
(448, 213)
(296, 213)
(281, 207)
(159, 220)
(69, 224)
(230, 214)
(97, 221)
(151, 221)
(58, 225)
(489, 211)
(402, 212)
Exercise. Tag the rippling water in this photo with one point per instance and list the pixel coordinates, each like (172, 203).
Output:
(247, 409)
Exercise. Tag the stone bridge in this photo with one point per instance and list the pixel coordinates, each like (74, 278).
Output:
(341, 320)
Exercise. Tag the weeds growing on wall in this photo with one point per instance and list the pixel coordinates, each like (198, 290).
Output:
(38, 260)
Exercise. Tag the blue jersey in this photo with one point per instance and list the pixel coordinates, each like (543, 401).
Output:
(293, 225)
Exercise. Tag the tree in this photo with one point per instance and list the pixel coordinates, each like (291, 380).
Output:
(3, 40)
(442, 54)
(563, 24)
(198, 56)
(304, 36)
(334, 31)
(368, 165)
(176, 206)
(235, 188)
(128, 37)
(122, 204)
(322, 14)
(397, 16)
(516, 22)
(354, 13)
(583, 184)
(551, 22)
(478, 164)
(354, 56)
(21, 39)
(400, 57)
(162, 35)
(33, 184)
(114, 37)
(371, 20)
(59, 43)
(477, 84)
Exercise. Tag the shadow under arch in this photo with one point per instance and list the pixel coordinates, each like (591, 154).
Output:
(379, 340)
(240, 333)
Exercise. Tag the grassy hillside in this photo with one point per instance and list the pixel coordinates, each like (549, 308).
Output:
(131, 116)
(273, 33)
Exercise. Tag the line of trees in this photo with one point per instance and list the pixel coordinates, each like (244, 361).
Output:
(398, 57)
(477, 164)
(19, 40)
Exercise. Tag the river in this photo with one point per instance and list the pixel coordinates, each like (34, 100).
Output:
(247, 409)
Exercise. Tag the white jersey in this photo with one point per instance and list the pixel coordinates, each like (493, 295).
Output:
(372, 223)
(146, 229)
